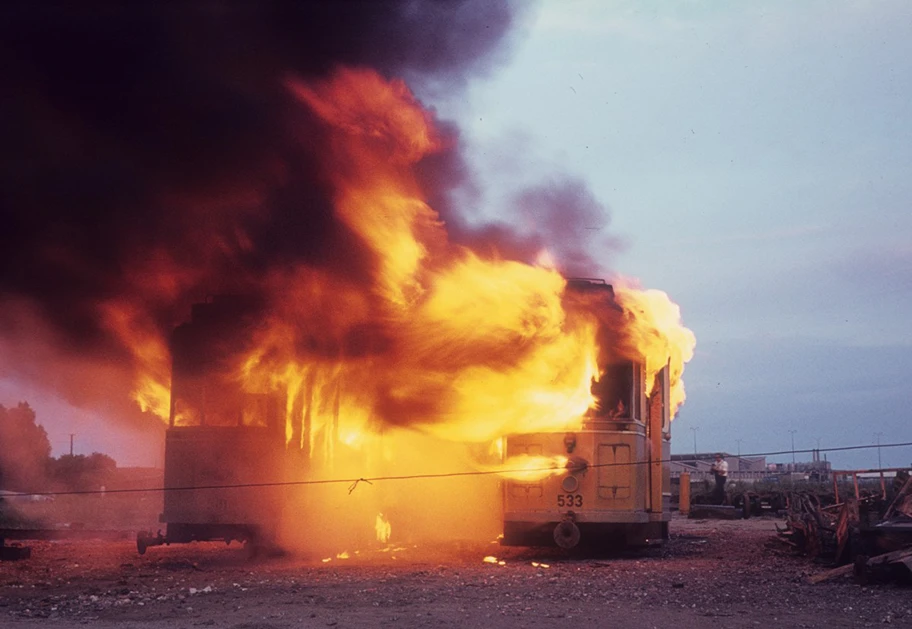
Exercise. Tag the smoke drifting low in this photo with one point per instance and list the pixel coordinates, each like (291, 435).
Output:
(154, 156)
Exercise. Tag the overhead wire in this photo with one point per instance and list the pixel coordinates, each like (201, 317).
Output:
(370, 480)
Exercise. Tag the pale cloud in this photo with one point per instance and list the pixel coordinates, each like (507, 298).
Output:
(636, 20)
(780, 25)
(786, 232)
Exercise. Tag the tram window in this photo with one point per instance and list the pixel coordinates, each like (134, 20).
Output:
(614, 391)
(227, 405)
(215, 402)
(222, 407)
(187, 402)
(185, 413)
(255, 411)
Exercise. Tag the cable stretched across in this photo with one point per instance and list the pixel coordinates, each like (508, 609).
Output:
(354, 482)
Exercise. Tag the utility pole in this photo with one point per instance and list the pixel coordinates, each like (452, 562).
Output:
(72, 434)
(878, 435)
(739, 447)
(793, 431)
(694, 429)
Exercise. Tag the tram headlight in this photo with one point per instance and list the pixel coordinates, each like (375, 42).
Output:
(570, 484)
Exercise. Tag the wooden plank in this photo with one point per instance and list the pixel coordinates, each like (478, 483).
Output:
(841, 571)
(896, 500)
(891, 557)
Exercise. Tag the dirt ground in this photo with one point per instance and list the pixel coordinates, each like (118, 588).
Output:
(709, 574)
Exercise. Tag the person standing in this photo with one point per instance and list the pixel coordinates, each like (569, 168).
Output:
(720, 472)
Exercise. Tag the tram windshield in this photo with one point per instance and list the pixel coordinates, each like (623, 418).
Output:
(617, 392)
(215, 401)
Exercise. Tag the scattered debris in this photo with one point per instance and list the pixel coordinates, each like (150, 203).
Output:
(868, 536)
(885, 567)
(715, 571)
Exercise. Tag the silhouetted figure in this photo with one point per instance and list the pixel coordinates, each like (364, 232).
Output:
(720, 472)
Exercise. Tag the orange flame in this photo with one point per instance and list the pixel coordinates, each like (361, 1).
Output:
(460, 346)
(464, 346)
(150, 353)
(532, 467)
(657, 334)
(383, 528)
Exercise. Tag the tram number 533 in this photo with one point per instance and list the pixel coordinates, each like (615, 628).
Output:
(569, 500)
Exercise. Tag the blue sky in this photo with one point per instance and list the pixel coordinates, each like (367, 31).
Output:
(755, 161)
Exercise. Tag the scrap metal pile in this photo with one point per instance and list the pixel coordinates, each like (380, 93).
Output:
(868, 535)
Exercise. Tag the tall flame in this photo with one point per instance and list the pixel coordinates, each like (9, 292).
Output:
(459, 344)
(383, 528)
(465, 347)
(655, 330)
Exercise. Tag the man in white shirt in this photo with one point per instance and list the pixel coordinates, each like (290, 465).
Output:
(720, 471)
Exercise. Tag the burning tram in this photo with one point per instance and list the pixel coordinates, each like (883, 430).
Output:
(225, 456)
(615, 486)
(229, 449)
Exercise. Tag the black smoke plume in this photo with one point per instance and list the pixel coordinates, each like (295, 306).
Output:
(142, 138)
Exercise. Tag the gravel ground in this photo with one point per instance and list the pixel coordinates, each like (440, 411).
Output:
(711, 573)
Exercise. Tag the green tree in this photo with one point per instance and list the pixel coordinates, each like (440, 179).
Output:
(82, 473)
(24, 450)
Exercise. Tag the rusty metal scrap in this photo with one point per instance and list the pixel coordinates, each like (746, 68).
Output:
(885, 567)
(815, 530)
(869, 535)
(902, 502)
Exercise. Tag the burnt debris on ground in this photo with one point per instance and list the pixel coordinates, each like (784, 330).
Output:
(867, 534)
(708, 569)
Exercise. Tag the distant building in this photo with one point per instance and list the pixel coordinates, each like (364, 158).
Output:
(750, 469)
(817, 469)
(698, 466)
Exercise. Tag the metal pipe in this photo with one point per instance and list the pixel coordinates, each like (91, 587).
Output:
(878, 435)
(684, 494)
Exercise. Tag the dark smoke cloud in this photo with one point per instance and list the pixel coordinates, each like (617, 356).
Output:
(572, 222)
(560, 216)
(143, 136)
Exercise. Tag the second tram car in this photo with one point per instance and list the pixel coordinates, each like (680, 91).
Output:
(225, 446)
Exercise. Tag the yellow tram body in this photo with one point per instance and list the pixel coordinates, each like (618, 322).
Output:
(616, 485)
